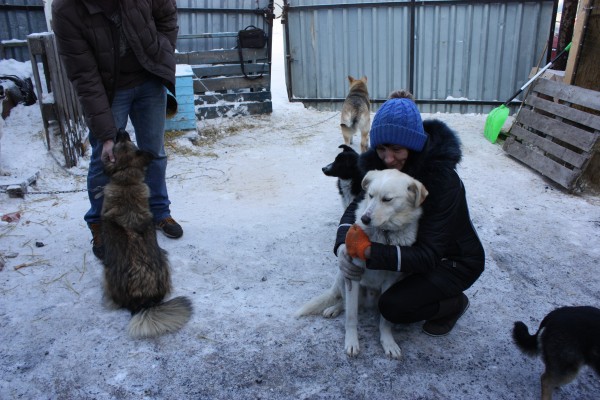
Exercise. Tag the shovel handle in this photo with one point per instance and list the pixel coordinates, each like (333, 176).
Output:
(541, 71)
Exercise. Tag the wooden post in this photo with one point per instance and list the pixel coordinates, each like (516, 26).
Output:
(582, 67)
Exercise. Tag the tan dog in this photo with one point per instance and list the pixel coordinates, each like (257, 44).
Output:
(356, 113)
(389, 213)
(136, 270)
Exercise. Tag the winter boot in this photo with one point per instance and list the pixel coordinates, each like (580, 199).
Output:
(450, 311)
(170, 228)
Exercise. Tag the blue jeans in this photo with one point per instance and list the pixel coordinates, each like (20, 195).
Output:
(145, 105)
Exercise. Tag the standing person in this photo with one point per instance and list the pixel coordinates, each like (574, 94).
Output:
(119, 55)
(447, 257)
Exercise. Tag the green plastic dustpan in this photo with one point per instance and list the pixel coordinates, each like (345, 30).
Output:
(497, 117)
(494, 122)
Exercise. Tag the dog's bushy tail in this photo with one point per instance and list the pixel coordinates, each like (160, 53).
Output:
(163, 318)
(526, 342)
(319, 303)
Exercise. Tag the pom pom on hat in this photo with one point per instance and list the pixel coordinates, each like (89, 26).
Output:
(398, 122)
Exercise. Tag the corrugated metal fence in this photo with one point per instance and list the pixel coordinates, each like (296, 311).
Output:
(19, 18)
(455, 56)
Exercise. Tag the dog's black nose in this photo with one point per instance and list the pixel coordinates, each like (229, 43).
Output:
(365, 219)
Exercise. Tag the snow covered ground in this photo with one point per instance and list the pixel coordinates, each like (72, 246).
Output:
(260, 220)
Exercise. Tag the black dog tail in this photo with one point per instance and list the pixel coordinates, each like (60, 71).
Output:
(526, 342)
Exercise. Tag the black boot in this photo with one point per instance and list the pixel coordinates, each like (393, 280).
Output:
(450, 311)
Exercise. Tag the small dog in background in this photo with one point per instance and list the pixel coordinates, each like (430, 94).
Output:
(567, 338)
(356, 113)
(136, 270)
(345, 168)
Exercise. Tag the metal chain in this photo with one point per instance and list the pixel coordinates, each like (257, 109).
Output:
(51, 192)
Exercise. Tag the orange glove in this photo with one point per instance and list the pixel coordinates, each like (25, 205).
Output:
(357, 242)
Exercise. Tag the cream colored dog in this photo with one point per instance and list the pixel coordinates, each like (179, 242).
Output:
(389, 214)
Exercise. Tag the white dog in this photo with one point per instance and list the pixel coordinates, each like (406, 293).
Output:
(388, 214)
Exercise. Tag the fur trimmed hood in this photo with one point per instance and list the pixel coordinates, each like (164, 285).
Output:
(442, 150)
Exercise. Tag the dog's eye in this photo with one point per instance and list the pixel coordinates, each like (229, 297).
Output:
(370, 196)
(386, 199)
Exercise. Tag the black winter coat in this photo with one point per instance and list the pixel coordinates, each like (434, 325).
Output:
(447, 249)
(88, 43)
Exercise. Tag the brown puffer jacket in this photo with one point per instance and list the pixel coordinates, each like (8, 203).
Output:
(88, 45)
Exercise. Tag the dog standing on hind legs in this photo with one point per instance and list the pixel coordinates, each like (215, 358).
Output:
(567, 338)
(136, 270)
(356, 113)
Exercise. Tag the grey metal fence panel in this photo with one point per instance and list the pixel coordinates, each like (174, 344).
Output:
(19, 18)
(200, 17)
(456, 56)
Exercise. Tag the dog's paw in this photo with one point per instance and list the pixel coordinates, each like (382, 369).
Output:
(333, 311)
(391, 349)
(351, 344)
(352, 350)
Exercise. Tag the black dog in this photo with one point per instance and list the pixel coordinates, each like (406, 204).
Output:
(345, 168)
(568, 338)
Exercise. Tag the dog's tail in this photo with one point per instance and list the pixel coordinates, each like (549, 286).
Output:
(526, 342)
(163, 318)
(319, 303)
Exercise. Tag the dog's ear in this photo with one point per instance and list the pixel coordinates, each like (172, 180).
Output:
(419, 191)
(345, 147)
(145, 156)
(368, 179)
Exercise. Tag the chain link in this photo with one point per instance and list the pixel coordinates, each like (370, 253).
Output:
(52, 191)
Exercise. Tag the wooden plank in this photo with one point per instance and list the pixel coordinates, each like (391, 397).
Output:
(221, 56)
(230, 110)
(548, 146)
(201, 100)
(573, 94)
(229, 69)
(578, 33)
(544, 165)
(207, 35)
(230, 83)
(579, 138)
(564, 111)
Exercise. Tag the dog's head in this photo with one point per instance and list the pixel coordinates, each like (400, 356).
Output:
(353, 81)
(130, 162)
(393, 199)
(345, 164)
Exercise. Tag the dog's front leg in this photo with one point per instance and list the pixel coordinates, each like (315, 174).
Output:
(352, 289)
(390, 347)
(386, 337)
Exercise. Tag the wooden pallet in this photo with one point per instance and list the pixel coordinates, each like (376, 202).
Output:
(557, 131)
(220, 87)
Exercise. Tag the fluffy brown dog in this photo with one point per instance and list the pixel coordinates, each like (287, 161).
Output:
(356, 112)
(136, 269)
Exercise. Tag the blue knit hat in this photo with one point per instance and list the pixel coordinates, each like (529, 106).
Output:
(398, 122)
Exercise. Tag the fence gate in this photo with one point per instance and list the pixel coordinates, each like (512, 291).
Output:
(455, 56)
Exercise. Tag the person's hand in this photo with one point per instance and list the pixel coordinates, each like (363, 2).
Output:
(347, 267)
(357, 242)
(107, 151)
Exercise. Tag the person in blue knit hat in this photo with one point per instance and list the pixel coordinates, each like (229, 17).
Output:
(448, 256)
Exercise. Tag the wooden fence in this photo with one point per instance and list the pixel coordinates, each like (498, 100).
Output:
(61, 112)
(220, 87)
